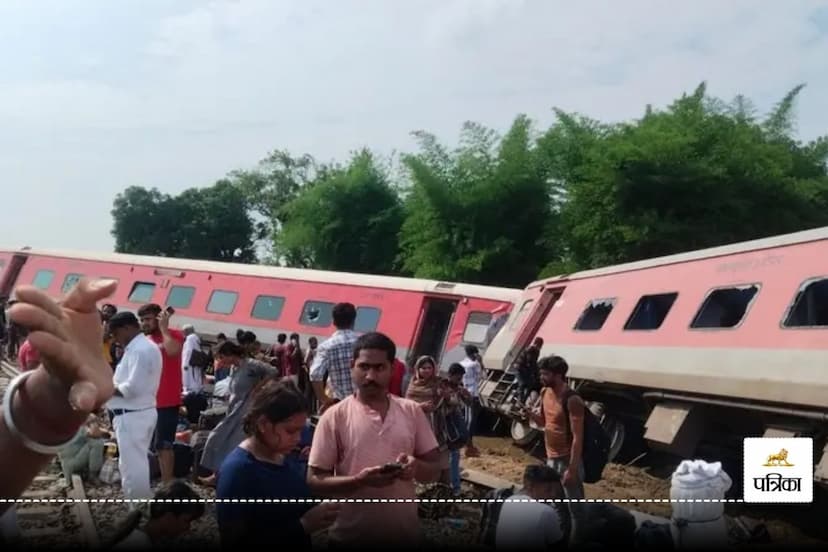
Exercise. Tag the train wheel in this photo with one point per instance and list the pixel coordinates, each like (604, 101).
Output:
(522, 433)
(614, 427)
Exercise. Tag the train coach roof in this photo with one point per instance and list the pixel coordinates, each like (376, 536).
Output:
(815, 234)
(267, 271)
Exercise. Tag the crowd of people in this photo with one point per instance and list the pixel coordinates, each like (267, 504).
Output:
(381, 426)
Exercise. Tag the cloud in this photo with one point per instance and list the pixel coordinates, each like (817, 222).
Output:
(95, 97)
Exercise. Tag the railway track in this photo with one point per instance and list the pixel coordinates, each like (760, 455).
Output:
(50, 514)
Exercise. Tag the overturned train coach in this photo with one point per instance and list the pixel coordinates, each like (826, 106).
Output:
(421, 316)
(696, 349)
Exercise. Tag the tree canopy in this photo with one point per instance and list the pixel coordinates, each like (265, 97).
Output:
(507, 209)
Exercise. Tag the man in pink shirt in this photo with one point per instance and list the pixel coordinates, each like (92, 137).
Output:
(373, 445)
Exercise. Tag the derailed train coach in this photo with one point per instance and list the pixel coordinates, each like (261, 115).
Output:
(701, 348)
(421, 316)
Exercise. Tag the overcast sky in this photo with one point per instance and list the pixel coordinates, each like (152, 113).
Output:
(98, 95)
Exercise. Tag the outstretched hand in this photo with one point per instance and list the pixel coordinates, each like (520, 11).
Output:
(68, 336)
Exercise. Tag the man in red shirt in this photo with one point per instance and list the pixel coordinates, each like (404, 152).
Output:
(395, 387)
(155, 323)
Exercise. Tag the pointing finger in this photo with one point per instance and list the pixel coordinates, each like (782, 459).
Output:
(38, 298)
(85, 295)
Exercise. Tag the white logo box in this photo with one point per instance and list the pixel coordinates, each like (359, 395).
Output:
(778, 469)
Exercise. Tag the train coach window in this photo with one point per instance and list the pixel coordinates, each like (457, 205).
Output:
(268, 307)
(141, 292)
(810, 307)
(222, 302)
(180, 297)
(595, 314)
(367, 319)
(43, 279)
(477, 326)
(724, 307)
(651, 311)
(521, 315)
(69, 282)
(317, 313)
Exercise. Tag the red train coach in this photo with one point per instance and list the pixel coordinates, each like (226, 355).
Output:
(708, 346)
(421, 316)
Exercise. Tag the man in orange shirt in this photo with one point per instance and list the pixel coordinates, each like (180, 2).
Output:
(155, 324)
(562, 417)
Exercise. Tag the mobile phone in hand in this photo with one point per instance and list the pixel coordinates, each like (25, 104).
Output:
(391, 467)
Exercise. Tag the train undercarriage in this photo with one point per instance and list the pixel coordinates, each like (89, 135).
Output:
(678, 424)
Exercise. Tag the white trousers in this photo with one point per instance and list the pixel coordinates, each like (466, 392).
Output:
(134, 431)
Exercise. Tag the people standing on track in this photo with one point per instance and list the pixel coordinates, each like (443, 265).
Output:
(108, 310)
(373, 445)
(192, 376)
(527, 369)
(562, 417)
(244, 378)
(473, 365)
(133, 406)
(278, 353)
(155, 323)
(426, 390)
(193, 364)
(456, 401)
(293, 361)
(307, 362)
(258, 469)
(334, 358)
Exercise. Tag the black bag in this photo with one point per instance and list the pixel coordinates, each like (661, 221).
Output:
(491, 515)
(457, 430)
(199, 359)
(596, 448)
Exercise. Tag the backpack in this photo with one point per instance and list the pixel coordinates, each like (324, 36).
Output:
(595, 453)
(199, 359)
(491, 514)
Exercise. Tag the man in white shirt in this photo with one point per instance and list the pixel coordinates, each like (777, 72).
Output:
(192, 376)
(525, 523)
(132, 407)
(471, 381)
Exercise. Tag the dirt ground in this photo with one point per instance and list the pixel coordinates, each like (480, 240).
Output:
(798, 525)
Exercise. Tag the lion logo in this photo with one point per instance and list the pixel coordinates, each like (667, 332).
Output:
(780, 459)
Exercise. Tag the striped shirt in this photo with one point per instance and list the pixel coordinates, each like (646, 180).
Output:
(333, 357)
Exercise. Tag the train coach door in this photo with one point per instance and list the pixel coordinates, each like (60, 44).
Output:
(533, 323)
(10, 274)
(433, 326)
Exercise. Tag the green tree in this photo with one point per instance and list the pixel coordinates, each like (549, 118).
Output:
(477, 214)
(272, 184)
(145, 222)
(202, 223)
(347, 219)
(697, 174)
